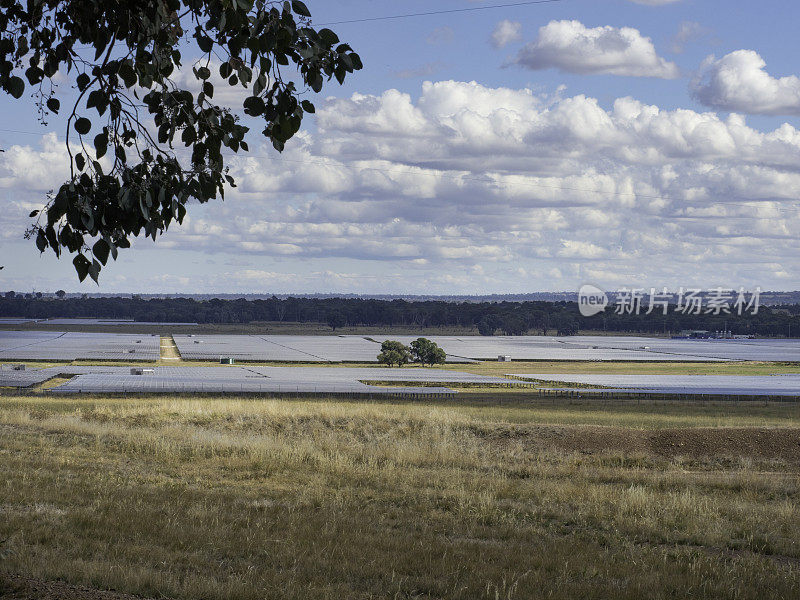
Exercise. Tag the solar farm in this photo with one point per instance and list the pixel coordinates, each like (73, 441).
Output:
(202, 446)
(248, 380)
(250, 376)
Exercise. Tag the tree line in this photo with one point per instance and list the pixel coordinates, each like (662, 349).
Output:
(486, 318)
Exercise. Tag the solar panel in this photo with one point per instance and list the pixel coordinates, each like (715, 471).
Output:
(66, 347)
(734, 385)
(238, 379)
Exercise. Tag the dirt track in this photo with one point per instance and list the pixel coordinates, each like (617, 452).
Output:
(753, 442)
(15, 587)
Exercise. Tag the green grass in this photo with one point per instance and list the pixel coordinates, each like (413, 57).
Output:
(237, 498)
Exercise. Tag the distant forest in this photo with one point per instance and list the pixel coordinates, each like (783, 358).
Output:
(488, 318)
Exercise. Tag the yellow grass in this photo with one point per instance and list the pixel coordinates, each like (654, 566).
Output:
(237, 498)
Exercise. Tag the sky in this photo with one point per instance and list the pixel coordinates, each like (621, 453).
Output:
(540, 147)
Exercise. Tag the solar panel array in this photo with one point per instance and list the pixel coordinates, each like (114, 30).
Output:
(31, 377)
(612, 348)
(45, 345)
(249, 380)
(82, 321)
(718, 385)
(281, 348)
(272, 380)
(58, 346)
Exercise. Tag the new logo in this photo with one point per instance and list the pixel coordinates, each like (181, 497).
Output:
(591, 300)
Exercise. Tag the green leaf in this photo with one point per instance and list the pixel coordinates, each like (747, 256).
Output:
(300, 8)
(203, 73)
(329, 37)
(83, 125)
(205, 43)
(225, 70)
(80, 162)
(254, 106)
(53, 105)
(189, 136)
(82, 81)
(16, 87)
(308, 106)
(41, 241)
(100, 145)
(259, 85)
(81, 266)
(33, 213)
(34, 75)
(127, 74)
(101, 249)
(94, 270)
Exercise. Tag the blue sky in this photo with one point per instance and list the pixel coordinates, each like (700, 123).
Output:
(514, 149)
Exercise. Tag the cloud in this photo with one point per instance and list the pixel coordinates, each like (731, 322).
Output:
(441, 35)
(571, 46)
(506, 32)
(688, 31)
(474, 182)
(739, 82)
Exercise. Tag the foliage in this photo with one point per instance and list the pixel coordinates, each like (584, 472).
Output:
(489, 324)
(336, 320)
(394, 353)
(426, 352)
(126, 175)
(539, 317)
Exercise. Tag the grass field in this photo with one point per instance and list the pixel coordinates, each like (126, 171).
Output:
(233, 498)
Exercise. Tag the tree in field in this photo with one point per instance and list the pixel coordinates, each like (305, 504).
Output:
(488, 325)
(336, 320)
(513, 325)
(394, 353)
(60, 294)
(140, 144)
(426, 352)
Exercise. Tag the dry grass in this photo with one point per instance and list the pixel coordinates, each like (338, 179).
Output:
(235, 498)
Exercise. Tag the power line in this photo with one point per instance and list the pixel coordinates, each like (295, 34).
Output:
(442, 12)
(25, 132)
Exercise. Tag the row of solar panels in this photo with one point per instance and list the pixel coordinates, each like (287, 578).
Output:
(58, 346)
(464, 349)
(86, 321)
(675, 385)
(243, 379)
(38, 345)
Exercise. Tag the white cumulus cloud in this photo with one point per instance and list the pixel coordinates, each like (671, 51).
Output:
(465, 179)
(740, 82)
(573, 47)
